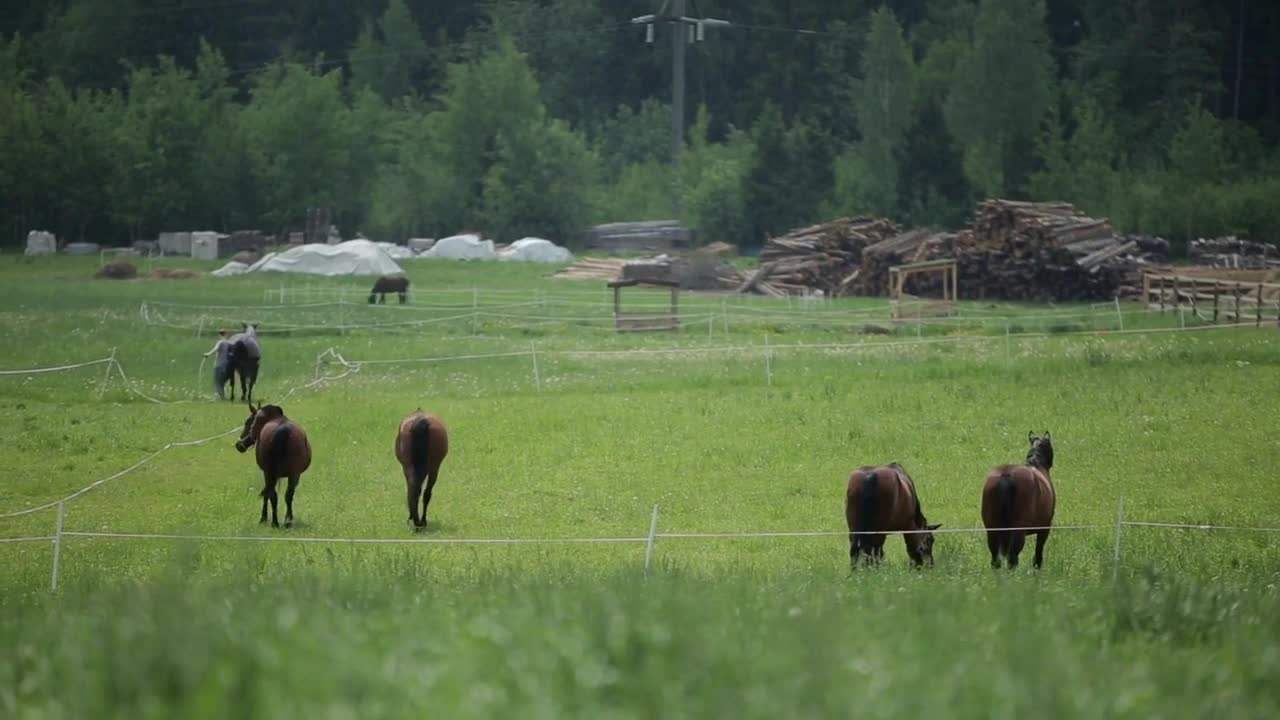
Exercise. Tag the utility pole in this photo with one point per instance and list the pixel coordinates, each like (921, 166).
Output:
(1235, 104)
(684, 30)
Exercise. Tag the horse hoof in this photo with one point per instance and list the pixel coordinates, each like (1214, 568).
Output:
(288, 524)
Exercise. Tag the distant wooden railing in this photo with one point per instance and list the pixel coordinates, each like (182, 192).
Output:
(1212, 299)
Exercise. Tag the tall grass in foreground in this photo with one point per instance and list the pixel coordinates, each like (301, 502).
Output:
(399, 639)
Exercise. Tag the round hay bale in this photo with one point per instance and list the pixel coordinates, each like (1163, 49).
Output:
(117, 270)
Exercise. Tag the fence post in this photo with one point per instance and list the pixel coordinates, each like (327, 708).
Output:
(724, 314)
(768, 362)
(1119, 315)
(106, 376)
(57, 547)
(537, 378)
(1007, 359)
(653, 533)
(475, 313)
(1115, 567)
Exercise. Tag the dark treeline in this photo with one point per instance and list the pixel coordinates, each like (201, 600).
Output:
(123, 118)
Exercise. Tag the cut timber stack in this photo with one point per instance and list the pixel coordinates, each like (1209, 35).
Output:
(1231, 252)
(1042, 251)
(693, 272)
(912, 246)
(824, 257)
(591, 269)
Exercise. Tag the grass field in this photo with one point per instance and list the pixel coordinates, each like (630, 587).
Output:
(725, 433)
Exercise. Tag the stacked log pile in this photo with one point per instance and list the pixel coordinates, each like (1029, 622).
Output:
(591, 269)
(1047, 251)
(824, 257)
(697, 271)
(1231, 252)
(1012, 250)
(912, 246)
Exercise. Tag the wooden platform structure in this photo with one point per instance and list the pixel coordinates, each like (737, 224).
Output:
(1212, 299)
(898, 275)
(645, 321)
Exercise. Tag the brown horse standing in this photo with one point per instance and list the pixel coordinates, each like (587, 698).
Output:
(1020, 496)
(882, 500)
(421, 445)
(283, 451)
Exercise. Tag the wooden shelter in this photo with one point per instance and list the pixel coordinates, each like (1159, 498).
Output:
(647, 321)
(946, 267)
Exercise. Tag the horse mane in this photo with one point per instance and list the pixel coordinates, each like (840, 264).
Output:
(271, 411)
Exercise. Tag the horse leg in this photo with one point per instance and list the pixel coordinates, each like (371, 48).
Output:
(1017, 539)
(231, 378)
(1041, 537)
(269, 494)
(994, 543)
(288, 500)
(401, 297)
(268, 487)
(414, 490)
(426, 493)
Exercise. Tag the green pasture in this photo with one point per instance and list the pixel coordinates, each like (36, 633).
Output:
(747, 421)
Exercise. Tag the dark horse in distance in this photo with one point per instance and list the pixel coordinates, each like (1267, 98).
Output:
(244, 359)
(881, 500)
(422, 442)
(398, 284)
(283, 452)
(1020, 496)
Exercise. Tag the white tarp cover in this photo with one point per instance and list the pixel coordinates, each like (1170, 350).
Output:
(532, 249)
(232, 268)
(40, 242)
(462, 247)
(421, 245)
(353, 257)
(397, 252)
(81, 248)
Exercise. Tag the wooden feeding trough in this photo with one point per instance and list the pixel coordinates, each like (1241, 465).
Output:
(649, 321)
(945, 267)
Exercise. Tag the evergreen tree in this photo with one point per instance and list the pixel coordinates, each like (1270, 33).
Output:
(1001, 89)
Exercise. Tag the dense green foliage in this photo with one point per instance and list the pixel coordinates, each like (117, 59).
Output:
(422, 117)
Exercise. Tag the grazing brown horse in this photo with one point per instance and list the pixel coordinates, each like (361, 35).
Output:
(882, 499)
(421, 445)
(1020, 496)
(398, 284)
(283, 451)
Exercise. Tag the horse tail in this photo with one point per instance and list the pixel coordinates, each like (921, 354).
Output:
(418, 436)
(278, 452)
(869, 504)
(1006, 491)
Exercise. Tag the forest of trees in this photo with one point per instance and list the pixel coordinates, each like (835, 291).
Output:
(123, 118)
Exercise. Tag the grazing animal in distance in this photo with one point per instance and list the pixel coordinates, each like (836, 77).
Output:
(283, 451)
(244, 359)
(1016, 497)
(422, 442)
(881, 500)
(398, 284)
